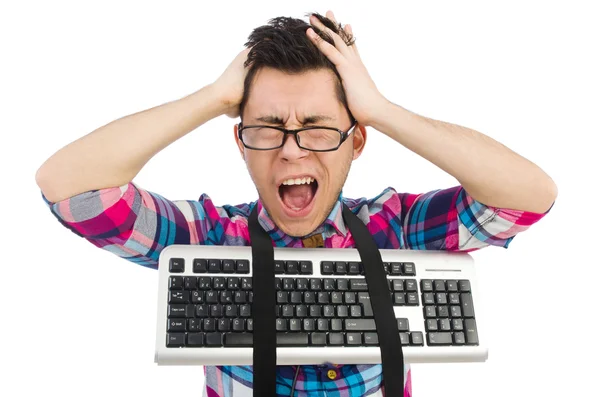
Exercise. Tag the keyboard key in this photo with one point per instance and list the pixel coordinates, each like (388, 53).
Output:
(176, 265)
(246, 283)
(336, 339)
(397, 285)
(426, 285)
(224, 324)
(179, 297)
(195, 339)
(175, 283)
(404, 339)
(439, 338)
(336, 324)
(371, 338)
(214, 266)
(228, 266)
(279, 267)
(464, 285)
(208, 324)
(358, 285)
(315, 284)
(292, 339)
(214, 339)
(291, 267)
(439, 285)
(455, 311)
(431, 325)
(306, 267)
(323, 324)
(412, 298)
(353, 339)
(327, 267)
(194, 325)
(457, 324)
(411, 285)
(353, 268)
(470, 330)
(459, 338)
(402, 324)
(416, 338)
(359, 325)
(342, 284)
(466, 303)
(318, 339)
(308, 324)
(295, 324)
(197, 297)
(242, 266)
(355, 311)
(176, 325)
(409, 269)
(451, 285)
(396, 268)
(242, 339)
(340, 268)
(200, 266)
(329, 284)
(175, 340)
(365, 300)
(180, 310)
(444, 324)
(239, 324)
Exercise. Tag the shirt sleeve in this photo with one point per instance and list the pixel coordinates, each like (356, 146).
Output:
(136, 224)
(452, 220)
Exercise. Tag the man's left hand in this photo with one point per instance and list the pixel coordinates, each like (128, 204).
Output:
(364, 99)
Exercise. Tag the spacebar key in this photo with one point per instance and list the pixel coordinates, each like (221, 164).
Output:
(238, 339)
(292, 339)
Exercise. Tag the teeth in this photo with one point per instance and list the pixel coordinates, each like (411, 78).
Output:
(298, 181)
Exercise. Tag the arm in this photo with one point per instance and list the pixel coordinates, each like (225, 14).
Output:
(114, 154)
(99, 202)
(491, 173)
(452, 220)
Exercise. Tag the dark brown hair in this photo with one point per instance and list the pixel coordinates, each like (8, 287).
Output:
(284, 45)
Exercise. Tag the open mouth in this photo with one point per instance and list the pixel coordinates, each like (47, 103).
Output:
(297, 195)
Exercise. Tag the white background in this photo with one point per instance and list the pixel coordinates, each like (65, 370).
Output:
(79, 321)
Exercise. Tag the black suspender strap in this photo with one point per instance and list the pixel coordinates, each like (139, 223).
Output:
(264, 355)
(263, 307)
(392, 358)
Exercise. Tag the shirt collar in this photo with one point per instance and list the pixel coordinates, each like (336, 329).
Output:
(333, 220)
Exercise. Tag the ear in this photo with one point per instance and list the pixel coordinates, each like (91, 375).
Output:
(239, 143)
(359, 139)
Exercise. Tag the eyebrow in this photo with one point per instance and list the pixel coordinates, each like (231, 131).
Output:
(309, 119)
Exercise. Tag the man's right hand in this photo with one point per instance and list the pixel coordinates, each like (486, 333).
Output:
(230, 85)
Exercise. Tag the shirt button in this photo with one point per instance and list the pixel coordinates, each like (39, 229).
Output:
(331, 374)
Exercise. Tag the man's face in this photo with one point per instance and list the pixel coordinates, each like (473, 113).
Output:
(288, 100)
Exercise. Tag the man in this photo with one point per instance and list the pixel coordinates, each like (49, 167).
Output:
(290, 78)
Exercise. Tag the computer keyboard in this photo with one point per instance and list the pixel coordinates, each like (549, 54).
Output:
(324, 314)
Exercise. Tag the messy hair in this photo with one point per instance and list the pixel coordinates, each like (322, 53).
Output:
(282, 44)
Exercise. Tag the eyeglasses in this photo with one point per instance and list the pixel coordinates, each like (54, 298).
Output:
(316, 139)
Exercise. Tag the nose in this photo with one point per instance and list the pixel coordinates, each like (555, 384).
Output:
(290, 149)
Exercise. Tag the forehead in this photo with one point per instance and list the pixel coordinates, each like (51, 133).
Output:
(276, 93)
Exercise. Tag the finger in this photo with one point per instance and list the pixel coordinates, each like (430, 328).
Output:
(338, 41)
(329, 14)
(330, 51)
(353, 47)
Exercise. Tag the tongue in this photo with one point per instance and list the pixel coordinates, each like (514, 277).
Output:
(296, 196)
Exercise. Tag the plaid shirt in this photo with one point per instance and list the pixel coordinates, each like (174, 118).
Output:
(136, 225)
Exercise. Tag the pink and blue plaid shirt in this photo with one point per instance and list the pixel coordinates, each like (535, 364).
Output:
(136, 225)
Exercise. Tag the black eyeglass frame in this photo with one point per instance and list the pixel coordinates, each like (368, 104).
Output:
(343, 135)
